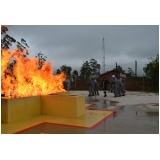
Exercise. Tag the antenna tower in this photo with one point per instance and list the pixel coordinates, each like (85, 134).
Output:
(103, 60)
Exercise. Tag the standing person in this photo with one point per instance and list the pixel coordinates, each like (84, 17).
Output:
(91, 87)
(124, 84)
(95, 87)
(119, 88)
(68, 84)
(116, 85)
(104, 84)
(123, 87)
(112, 83)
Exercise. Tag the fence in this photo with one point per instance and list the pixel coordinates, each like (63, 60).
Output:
(132, 84)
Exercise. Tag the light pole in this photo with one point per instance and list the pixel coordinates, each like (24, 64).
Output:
(143, 82)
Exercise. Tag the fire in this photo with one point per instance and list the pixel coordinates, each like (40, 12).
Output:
(23, 78)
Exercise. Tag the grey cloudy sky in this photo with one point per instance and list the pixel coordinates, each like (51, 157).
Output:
(74, 44)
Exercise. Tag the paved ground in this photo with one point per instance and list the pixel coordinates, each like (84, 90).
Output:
(136, 113)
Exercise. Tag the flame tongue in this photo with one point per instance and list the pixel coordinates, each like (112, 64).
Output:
(23, 78)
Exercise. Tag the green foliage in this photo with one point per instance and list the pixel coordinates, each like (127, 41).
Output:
(7, 41)
(66, 69)
(130, 72)
(58, 71)
(41, 59)
(90, 68)
(95, 67)
(119, 69)
(75, 73)
(152, 69)
(85, 70)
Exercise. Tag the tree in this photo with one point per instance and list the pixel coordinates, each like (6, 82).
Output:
(75, 73)
(89, 69)
(119, 69)
(95, 67)
(66, 69)
(75, 76)
(41, 59)
(85, 70)
(58, 71)
(152, 69)
(130, 72)
(7, 41)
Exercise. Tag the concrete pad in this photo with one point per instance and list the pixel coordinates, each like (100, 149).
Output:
(131, 98)
(129, 118)
(91, 119)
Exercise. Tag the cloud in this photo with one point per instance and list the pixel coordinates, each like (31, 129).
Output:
(73, 44)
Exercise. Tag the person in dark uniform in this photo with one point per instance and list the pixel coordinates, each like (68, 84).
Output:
(91, 87)
(95, 87)
(104, 85)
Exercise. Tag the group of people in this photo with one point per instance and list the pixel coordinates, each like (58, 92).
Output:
(93, 87)
(115, 85)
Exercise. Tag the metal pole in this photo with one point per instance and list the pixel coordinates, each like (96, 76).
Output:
(116, 69)
(104, 55)
(143, 83)
(135, 68)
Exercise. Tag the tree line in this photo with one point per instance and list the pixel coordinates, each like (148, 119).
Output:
(88, 69)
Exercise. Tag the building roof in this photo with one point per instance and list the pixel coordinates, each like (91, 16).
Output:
(114, 72)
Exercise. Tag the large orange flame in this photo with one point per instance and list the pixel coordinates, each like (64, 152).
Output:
(25, 79)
